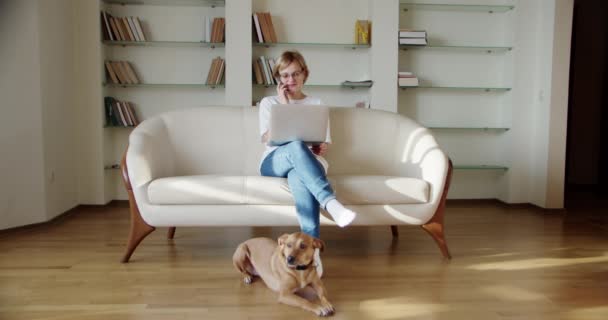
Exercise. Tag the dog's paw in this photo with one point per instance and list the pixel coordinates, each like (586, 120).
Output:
(325, 310)
(248, 279)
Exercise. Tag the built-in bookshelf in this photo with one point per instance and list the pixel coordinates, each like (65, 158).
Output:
(171, 47)
(464, 83)
(330, 47)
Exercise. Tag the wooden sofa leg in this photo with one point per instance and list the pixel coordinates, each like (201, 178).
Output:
(435, 226)
(139, 228)
(171, 233)
(395, 231)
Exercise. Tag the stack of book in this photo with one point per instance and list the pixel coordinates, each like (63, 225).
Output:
(407, 79)
(363, 32)
(262, 71)
(362, 83)
(412, 37)
(216, 72)
(119, 113)
(214, 31)
(121, 28)
(120, 72)
(263, 29)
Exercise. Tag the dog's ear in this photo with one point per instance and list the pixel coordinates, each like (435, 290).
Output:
(283, 238)
(318, 243)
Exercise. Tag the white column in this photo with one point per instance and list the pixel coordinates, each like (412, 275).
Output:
(238, 53)
(384, 54)
(88, 100)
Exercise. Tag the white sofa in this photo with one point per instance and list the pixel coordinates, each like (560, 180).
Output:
(199, 167)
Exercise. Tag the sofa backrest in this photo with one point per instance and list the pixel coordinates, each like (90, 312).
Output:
(226, 140)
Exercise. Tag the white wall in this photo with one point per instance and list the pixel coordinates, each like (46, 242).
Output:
(57, 103)
(22, 195)
(35, 127)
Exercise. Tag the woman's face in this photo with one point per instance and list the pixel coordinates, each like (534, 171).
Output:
(293, 77)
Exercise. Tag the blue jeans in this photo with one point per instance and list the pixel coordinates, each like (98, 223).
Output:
(306, 179)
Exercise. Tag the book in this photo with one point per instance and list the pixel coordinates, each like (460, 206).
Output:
(220, 75)
(273, 34)
(117, 67)
(131, 111)
(115, 30)
(405, 74)
(133, 29)
(258, 30)
(362, 83)
(363, 32)
(125, 22)
(211, 72)
(140, 30)
(408, 82)
(217, 30)
(413, 41)
(109, 112)
(105, 27)
(113, 78)
(125, 111)
(257, 72)
(408, 33)
(122, 28)
(130, 72)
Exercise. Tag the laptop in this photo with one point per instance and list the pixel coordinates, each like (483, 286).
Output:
(290, 122)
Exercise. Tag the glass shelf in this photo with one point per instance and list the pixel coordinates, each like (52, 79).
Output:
(164, 85)
(118, 127)
(455, 7)
(487, 49)
(471, 128)
(190, 3)
(315, 86)
(309, 44)
(165, 44)
(486, 89)
(480, 167)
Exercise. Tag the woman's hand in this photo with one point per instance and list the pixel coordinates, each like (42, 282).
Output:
(321, 149)
(282, 91)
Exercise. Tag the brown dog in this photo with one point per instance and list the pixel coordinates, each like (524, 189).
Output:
(285, 268)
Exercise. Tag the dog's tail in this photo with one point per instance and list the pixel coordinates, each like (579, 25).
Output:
(240, 259)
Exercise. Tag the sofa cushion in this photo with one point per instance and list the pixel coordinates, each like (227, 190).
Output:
(257, 190)
(361, 190)
(201, 189)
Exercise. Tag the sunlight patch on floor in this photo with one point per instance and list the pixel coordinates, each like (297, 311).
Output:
(536, 263)
(510, 293)
(591, 313)
(399, 308)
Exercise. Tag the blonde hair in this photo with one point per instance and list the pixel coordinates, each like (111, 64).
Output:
(287, 58)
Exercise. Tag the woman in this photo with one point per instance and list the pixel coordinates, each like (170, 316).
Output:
(304, 168)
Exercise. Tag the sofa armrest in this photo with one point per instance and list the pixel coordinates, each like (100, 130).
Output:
(150, 154)
(420, 156)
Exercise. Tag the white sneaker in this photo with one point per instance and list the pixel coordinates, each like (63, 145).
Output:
(317, 262)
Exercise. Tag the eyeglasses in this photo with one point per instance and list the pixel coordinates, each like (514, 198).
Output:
(294, 75)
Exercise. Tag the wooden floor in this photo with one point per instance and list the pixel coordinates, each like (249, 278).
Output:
(508, 263)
